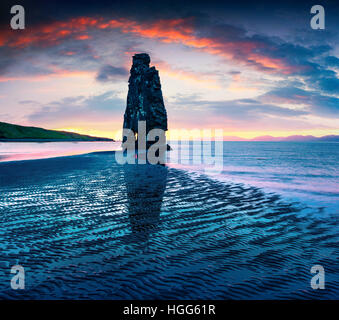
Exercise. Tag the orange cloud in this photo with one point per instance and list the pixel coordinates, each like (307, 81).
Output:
(197, 78)
(48, 35)
(55, 73)
(165, 30)
(236, 85)
(83, 37)
(181, 31)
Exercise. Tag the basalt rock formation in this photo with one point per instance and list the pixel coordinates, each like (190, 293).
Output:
(144, 99)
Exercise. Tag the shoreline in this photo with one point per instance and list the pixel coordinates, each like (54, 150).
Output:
(61, 156)
(54, 140)
(20, 151)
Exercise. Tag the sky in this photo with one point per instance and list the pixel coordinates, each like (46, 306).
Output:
(251, 68)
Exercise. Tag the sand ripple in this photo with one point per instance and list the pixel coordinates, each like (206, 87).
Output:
(86, 227)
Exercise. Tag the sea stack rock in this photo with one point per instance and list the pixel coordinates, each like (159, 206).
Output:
(144, 99)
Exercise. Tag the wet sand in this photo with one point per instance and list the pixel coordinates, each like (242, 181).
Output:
(85, 227)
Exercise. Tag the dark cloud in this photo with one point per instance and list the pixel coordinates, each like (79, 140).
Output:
(109, 73)
(234, 72)
(325, 106)
(330, 84)
(29, 102)
(8, 58)
(40, 10)
(332, 61)
(251, 109)
(241, 109)
(94, 108)
(316, 103)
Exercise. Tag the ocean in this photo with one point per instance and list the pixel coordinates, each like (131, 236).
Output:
(85, 227)
(301, 171)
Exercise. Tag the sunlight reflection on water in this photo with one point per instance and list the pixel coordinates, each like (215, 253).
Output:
(15, 151)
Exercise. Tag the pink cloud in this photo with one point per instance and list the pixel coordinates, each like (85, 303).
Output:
(180, 31)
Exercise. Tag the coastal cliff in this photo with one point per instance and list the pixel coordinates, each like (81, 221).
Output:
(13, 132)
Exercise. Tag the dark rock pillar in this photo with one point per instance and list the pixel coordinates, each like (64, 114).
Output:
(144, 99)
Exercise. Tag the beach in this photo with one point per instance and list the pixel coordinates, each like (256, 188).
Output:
(85, 227)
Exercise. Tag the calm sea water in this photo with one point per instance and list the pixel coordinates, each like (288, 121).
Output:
(303, 171)
(85, 227)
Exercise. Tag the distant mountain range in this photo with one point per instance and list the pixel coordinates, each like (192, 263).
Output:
(300, 138)
(12, 132)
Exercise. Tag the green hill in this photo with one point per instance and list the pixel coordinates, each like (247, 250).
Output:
(12, 132)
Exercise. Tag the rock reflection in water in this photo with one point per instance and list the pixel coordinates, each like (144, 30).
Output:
(145, 186)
